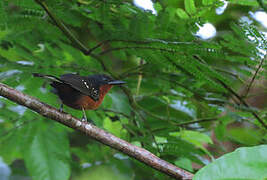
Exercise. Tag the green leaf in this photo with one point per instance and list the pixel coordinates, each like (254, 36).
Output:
(120, 102)
(157, 6)
(245, 136)
(155, 106)
(106, 172)
(244, 2)
(220, 131)
(185, 164)
(181, 13)
(114, 127)
(190, 6)
(207, 2)
(243, 163)
(47, 156)
(178, 147)
(10, 148)
(194, 137)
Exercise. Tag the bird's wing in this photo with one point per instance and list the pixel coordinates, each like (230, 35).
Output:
(83, 84)
(49, 77)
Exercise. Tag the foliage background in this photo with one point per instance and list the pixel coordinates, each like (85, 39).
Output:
(173, 80)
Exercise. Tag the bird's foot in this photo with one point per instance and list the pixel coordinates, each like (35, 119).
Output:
(84, 119)
(61, 108)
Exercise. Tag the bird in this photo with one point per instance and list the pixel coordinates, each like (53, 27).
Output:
(81, 92)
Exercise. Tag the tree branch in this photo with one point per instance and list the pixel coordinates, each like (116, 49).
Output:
(197, 121)
(253, 78)
(64, 29)
(94, 132)
(243, 102)
(240, 99)
(183, 124)
(140, 77)
(138, 47)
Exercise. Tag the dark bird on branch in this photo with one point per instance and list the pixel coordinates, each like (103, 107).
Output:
(81, 92)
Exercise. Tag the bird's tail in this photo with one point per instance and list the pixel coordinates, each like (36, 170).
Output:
(49, 77)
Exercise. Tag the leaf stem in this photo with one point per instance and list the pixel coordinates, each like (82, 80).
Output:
(254, 77)
(64, 28)
(243, 102)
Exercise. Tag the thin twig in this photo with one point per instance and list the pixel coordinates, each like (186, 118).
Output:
(135, 70)
(188, 123)
(99, 45)
(243, 102)
(116, 112)
(149, 129)
(137, 47)
(253, 78)
(117, 40)
(4, 133)
(240, 99)
(147, 41)
(230, 73)
(140, 76)
(63, 28)
(197, 121)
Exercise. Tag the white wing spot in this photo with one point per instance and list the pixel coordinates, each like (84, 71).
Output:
(85, 83)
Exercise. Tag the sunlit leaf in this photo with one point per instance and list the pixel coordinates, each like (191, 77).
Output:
(182, 14)
(190, 6)
(245, 163)
(47, 155)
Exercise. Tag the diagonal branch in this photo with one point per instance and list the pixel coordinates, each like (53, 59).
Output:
(253, 78)
(243, 102)
(94, 132)
(64, 29)
(240, 99)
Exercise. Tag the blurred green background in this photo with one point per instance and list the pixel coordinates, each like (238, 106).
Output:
(172, 54)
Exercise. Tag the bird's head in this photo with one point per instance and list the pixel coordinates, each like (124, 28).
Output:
(104, 82)
(103, 79)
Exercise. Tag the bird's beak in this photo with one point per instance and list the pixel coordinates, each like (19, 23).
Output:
(116, 82)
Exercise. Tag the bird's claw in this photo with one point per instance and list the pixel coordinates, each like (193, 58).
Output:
(61, 108)
(84, 119)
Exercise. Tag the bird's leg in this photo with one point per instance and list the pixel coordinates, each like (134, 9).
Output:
(61, 107)
(84, 118)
